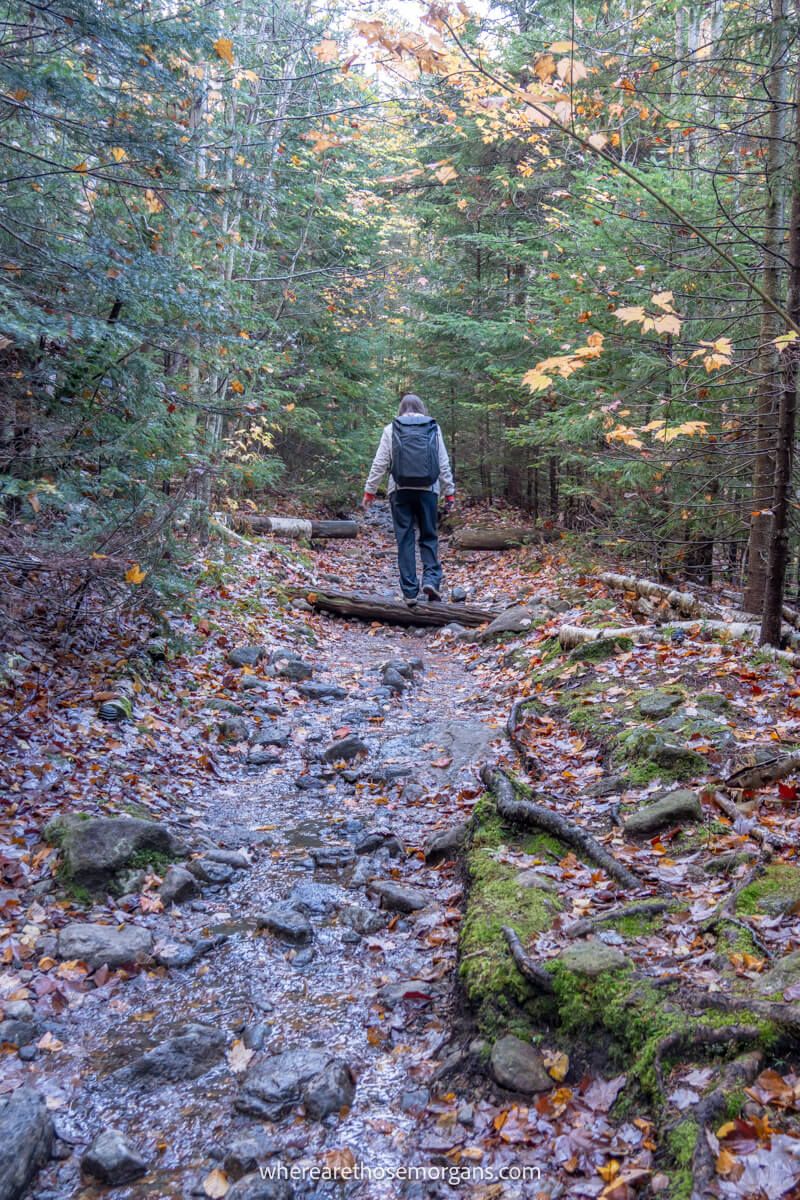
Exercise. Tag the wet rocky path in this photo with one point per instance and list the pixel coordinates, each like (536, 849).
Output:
(325, 934)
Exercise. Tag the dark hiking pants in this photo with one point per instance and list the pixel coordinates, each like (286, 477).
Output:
(416, 509)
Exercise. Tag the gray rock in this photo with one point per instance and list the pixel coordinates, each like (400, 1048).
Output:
(26, 1139)
(519, 619)
(177, 955)
(275, 1084)
(363, 921)
(129, 881)
(336, 857)
(290, 666)
(112, 1160)
(446, 844)
(657, 704)
(231, 858)
(531, 878)
(270, 735)
(394, 681)
(322, 691)
(458, 595)
(210, 871)
(392, 994)
(254, 683)
(286, 922)
(519, 1066)
(220, 704)
(95, 848)
(262, 756)
(18, 1010)
(612, 785)
(97, 945)
(16, 1033)
(235, 729)
(330, 1091)
(246, 656)
(178, 884)
(317, 898)
(346, 748)
(248, 1152)
(255, 1035)
(187, 1055)
(782, 975)
(379, 839)
(676, 808)
(253, 1187)
(301, 605)
(399, 897)
(414, 1100)
(592, 957)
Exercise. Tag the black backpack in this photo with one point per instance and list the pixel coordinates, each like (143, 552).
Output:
(415, 453)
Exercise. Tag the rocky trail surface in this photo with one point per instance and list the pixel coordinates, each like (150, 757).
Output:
(264, 916)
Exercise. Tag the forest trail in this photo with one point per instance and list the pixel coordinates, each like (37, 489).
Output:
(313, 923)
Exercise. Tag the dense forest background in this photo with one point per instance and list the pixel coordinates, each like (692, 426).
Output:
(232, 234)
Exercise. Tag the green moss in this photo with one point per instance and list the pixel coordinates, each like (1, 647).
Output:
(600, 649)
(641, 745)
(734, 1103)
(631, 927)
(778, 888)
(157, 859)
(681, 1142)
(640, 774)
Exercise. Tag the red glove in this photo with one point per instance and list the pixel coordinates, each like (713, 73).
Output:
(449, 501)
(368, 498)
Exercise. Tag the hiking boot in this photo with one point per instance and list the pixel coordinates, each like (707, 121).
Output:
(411, 601)
(431, 592)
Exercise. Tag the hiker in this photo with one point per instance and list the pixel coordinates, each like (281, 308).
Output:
(412, 450)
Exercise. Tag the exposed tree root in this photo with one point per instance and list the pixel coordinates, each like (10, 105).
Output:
(739, 1073)
(724, 912)
(703, 1036)
(535, 975)
(529, 760)
(538, 816)
(729, 808)
(750, 779)
(644, 908)
(785, 1016)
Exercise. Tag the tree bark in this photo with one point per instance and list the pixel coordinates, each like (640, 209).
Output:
(392, 612)
(294, 528)
(495, 539)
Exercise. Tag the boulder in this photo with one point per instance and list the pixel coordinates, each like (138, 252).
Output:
(246, 656)
(657, 704)
(187, 1055)
(519, 1066)
(592, 957)
(519, 619)
(112, 1160)
(276, 1084)
(446, 844)
(95, 848)
(676, 808)
(321, 691)
(26, 1138)
(317, 898)
(399, 897)
(289, 665)
(286, 922)
(109, 945)
(345, 749)
(178, 884)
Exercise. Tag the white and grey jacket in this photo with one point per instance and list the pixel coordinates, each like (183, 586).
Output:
(382, 462)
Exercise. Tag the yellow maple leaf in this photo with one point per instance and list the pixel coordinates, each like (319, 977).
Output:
(327, 50)
(81, 168)
(544, 67)
(118, 154)
(784, 340)
(224, 49)
(629, 315)
(536, 381)
(446, 173)
(216, 1184)
(135, 574)
(237, 386)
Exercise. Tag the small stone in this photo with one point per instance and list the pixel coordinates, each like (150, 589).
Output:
(234, 729)
(782, 975)
(18, 1010)
(104, 945)
(210, 871)
(532, 878)
(676, 808)
(301, 605)
(270, 735)
(237, 859)
(255, 1035)
(190, 1053)
(178, 884)
(253, 1187)
(330, 1091)
(26, 1139)
(17, 1033)
(112, 1160)
(345, 749)
(248, 1152)
(466, 1115)
(178, 955)
(458, 595)
(275, 1084)
(246, 656)
(519, 619)
(335, 857)
(657, 704)
(446, 844)
(591, 958)
(414, 1100)
(286, 922)
(394, 681)
(321, 691)
(518, 1066)
(290, 666)
(392, 994)
(399, 897)
(363, 921)
(262, 756)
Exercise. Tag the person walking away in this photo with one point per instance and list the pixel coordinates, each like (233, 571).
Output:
(413, 452)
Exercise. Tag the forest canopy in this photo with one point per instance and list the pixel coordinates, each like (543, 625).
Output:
(232, 235)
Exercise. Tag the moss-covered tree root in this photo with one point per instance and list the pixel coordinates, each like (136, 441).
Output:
(537, 816)
(536, 976)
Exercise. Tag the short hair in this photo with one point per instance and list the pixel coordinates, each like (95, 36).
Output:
(411, 404)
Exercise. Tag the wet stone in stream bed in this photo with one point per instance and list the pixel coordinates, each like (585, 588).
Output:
(312, 1076)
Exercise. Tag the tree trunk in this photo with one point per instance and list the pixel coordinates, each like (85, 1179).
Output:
(393, 612)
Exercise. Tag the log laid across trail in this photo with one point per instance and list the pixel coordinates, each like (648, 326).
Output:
(294, 527)
(392, 612)
(495, 539)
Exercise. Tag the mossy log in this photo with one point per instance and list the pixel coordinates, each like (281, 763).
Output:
(537, 816)
(572, 636)
(392, 612)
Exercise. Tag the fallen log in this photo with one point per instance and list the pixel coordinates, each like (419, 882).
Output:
(684, 602)
(293, 527)
(762, 774)
(392, 612)
(572, 636)
(495, 539)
